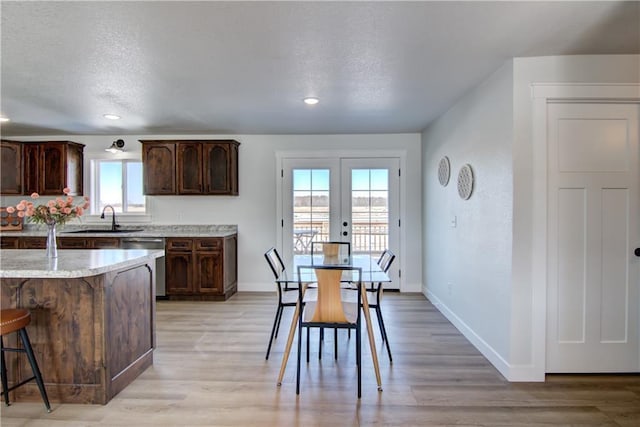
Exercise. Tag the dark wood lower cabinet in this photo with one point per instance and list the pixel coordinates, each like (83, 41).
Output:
(201, 268)
(196, 268)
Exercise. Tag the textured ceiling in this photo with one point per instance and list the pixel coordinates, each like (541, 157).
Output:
(244, 67)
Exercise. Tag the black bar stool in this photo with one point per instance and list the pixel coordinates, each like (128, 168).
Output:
(17, 320)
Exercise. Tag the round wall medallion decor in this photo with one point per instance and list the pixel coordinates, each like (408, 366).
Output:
(444, 171)
(465, 182)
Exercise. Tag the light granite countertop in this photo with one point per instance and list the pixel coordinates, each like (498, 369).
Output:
(33, 263)
(142, 230)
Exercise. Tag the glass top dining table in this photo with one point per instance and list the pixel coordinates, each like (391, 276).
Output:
(371, 271)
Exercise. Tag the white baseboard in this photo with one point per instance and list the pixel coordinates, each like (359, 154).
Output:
(256, 287)
(511, 373)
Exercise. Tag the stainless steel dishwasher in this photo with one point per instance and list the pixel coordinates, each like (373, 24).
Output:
(149, 243)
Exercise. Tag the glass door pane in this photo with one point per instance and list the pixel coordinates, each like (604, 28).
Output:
(311, 208)
(369, 211)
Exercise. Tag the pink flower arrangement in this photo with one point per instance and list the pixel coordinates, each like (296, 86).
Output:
(59, 210)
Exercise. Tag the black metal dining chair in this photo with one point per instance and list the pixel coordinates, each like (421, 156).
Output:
(286, 298)
(374, 296)
(330, 309)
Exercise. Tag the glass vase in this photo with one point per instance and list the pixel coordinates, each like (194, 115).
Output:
(52, 246)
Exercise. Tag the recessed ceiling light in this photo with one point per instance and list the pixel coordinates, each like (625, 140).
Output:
(4, 119)
(111, 116)
(310, 100)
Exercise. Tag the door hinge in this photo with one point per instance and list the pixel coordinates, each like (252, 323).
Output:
(398, 223)
(282, 223)
(281, 173)
(399, 274)
(399, 174)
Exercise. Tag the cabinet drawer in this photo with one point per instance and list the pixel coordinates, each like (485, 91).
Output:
(105, 243)
(179, 245)
(33, 243)
(8, 242)
(208, 244)
(72, 243)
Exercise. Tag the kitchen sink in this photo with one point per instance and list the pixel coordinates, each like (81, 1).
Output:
(103, 230)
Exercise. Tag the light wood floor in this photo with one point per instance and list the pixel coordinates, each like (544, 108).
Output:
(209, 370)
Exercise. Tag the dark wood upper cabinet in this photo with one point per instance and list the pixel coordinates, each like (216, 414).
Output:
(11, 167)
(184, 167)
(44, 167)
(158, 167)
(53, 165)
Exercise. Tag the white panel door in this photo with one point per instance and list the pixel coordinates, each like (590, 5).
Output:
(593, 295)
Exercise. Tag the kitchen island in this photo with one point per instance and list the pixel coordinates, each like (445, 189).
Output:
(93, 319)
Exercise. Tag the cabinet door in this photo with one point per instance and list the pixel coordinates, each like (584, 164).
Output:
(179, 273)
(209, 272)
(53, 172)
(31, 168)
(159, 165)
(11, 167)
(217, 171)
(189, 158)
(74, 169)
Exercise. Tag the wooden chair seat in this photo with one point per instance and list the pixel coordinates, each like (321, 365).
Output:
(350, 311)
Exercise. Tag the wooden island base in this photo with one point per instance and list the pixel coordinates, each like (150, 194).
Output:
(91, 336)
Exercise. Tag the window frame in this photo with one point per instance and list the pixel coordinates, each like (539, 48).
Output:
(91, 174)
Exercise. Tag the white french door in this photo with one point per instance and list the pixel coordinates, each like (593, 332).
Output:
(342, 199)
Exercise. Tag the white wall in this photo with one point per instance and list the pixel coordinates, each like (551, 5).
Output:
(467, 269)
(254, 210)
(528, 334)
(491, 128)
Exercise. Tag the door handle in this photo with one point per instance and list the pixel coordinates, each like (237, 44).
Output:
(344, 233)
(637, 252)
(345, 223)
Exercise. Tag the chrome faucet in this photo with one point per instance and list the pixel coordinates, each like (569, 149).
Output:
(114, 226)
